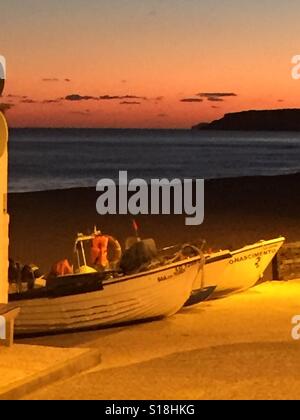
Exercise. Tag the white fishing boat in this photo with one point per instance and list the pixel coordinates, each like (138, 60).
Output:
(89, 298)
(243, 269)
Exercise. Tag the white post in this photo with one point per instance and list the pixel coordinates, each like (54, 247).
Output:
(4, 218)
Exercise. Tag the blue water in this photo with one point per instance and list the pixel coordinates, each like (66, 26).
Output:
(56, 159)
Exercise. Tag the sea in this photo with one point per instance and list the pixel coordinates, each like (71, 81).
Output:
(51, 159)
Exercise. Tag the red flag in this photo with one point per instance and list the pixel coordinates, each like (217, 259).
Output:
(135, 226)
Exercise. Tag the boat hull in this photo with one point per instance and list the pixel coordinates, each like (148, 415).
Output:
(244, 269)
(157, 293)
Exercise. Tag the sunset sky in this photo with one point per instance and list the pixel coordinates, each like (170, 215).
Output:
(146, 63)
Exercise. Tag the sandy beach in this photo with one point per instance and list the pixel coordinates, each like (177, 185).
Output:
(237, 212)
(223, 349)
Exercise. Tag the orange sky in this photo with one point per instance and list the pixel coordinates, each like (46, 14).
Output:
(158, 51)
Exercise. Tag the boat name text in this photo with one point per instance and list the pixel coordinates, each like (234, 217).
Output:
(177, 272)
(253, 255)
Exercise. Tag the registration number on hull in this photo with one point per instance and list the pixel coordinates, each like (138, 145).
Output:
(254, 256)
(177, 272)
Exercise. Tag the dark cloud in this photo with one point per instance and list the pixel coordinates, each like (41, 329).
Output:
(191, 100)
(159, 98)
(85, 113)
(143, 98)
(126, 99)
(215, 107)
(28, 101)
(55, 79)
(109, 98)
(130, 103)
(75, 97)
(50, 79)
(215, 99)
(217, 95)
(52, 101)
(5, 107)
(123, 97)
(131, 99)
(17, 96)
(162, 115)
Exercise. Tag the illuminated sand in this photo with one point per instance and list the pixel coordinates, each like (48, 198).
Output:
(25, 367)
(239, 347)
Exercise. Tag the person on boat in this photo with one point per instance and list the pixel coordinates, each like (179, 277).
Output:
(62, 268)
(30, 273)
(99, 252)
(15, 274)
(20, 274)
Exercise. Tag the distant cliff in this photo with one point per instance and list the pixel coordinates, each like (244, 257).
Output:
(269, 120)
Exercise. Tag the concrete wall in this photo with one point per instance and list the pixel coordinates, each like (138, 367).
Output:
(4, 218)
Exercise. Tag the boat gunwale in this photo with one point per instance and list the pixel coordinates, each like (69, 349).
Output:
(111, 282)
(210, 258)
(186, 261)
(258, 245)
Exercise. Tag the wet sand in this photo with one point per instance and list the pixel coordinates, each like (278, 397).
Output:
(237, 212)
